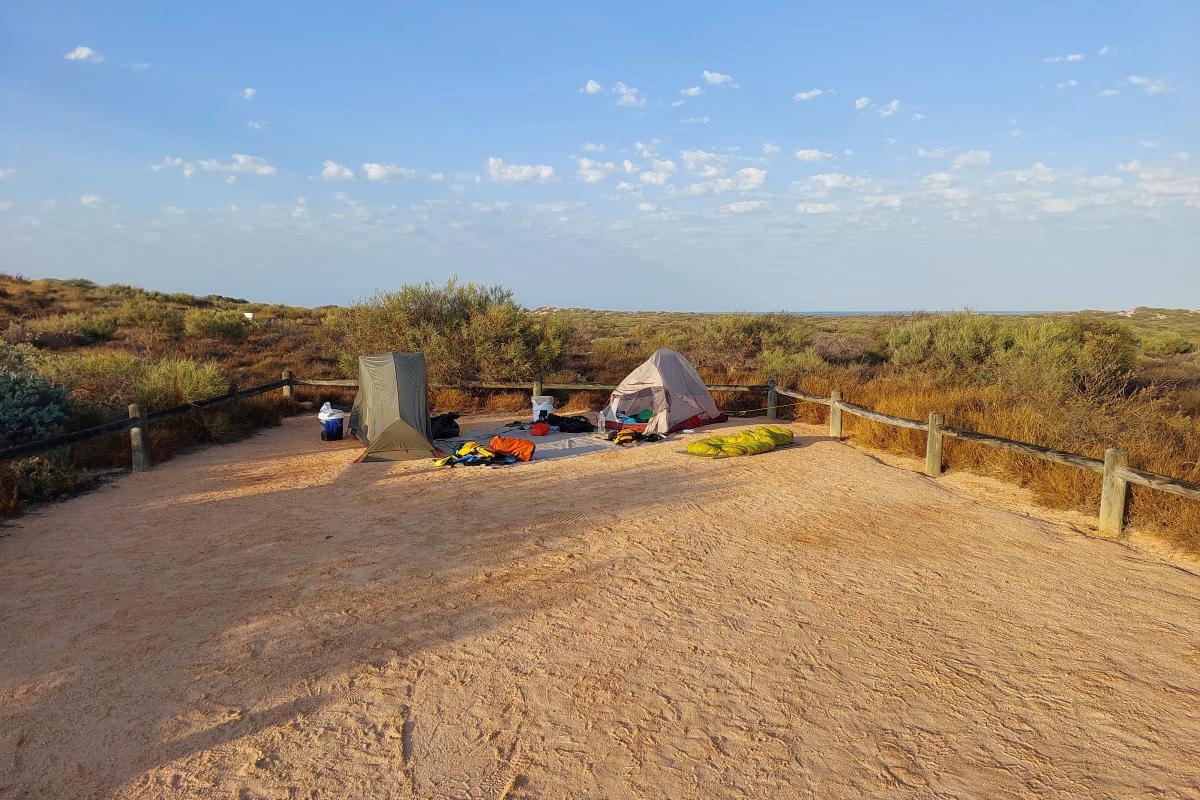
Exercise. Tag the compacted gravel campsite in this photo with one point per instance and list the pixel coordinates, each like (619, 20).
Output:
(271, 620)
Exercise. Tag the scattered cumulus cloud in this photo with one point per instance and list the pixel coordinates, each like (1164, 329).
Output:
(518, 173)
(186, 167)
(6, 173)
(862, 103)
(936, 152)
(691, 91)
(333, 171)
(816, 208)
(83, 53)
(696, 120)
(240, 163)
(973, 158)
(811, 94)
(588, 147)
(90, 200)
(1068, 58)
(719, 79)
(1106, 50)
(655, 178)
(249, 92)
(1071, 84)
(703, 163)
(744, 207)
(813, 155)
(592, 87)
(770, 149)
(743, 180)
(883, 201)
(375, 171)
(628, 96)
(256, 125)
(888, 109)
(175, 211)
(594, 171)
(1109, 92)
(1148, 85)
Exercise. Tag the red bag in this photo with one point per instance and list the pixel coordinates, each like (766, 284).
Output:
(539, 429)
(522, 449)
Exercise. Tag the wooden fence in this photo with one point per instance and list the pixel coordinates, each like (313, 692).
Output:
(1114, 468)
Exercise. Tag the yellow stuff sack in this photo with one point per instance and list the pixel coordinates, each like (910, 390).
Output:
(762, 439)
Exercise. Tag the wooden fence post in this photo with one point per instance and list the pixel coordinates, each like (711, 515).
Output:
(1112, 495)
(289, 391)
(537, 386)
(137, 439)
(933, 445)
(772, 399)
(835, 413)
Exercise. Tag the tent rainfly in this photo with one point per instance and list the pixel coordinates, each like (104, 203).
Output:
(671, 388)
(391, 410)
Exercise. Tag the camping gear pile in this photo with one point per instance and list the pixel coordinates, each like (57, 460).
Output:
(627, 437)
(762, 439)
(662, 395)
(501, 450)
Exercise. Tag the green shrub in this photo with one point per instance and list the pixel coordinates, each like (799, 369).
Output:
(789, 367)
(730, 343)
(104, 380)
(210, 324)
(957, 344)
(41, 479)
(175, 381)
(1169, 343)
(151, 316)
(467, 332)
(63, 330)
(30, 408)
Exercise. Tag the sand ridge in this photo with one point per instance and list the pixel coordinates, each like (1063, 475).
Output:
(269, 620)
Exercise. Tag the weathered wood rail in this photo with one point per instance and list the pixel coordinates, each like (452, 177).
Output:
(1114, 468)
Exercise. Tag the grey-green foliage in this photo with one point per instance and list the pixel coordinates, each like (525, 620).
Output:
(466, 332)
(31, 408)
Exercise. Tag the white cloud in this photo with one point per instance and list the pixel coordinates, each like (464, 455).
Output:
(588, 147)
(625, 186)
(813, 155)
(702, 162)
(835, 180)
(1106, 50)
(629, 167)
(1105, 183)
(937, 152)
(627, 96)
(175, 211)
(256, 125)
(645, 149)
(437, 177)
(1148, 85)
(375, 171)
(1059, 205)
(743, 180)
(594, 171)
(918, 116)
(1071, 84)
(499, 171)
(744, 207)
(663, 166)
(5, 205)
(883, 201)
(1068, 58)
(647, 207)
(862, 103)
(6, 172)
(696, 120)
(973, 158)
(770, 149)
(1131, 166)
(816, 208)
(186, 167)
(800, 97)
(592, 87)
(140, 65)
(334, 171)
(1109, 92)
(82, 53)
(719, 79)
(253, 165)
(678, 103)
(889, 109)
(249, 92)
(691, 91)
(658, 178)
(90, 200)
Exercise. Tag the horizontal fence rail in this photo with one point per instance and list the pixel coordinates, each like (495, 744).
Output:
(1114, 468)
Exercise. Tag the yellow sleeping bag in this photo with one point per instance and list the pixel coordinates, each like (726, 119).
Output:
(762, 439)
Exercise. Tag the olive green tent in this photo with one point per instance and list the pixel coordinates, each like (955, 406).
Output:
(391, 410)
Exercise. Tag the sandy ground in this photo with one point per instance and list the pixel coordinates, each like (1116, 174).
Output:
(268, 620)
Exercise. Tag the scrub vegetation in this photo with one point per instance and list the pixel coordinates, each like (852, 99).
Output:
(75, 354)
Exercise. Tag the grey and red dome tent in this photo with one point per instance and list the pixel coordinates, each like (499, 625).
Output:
(391, 410)
(669, 386)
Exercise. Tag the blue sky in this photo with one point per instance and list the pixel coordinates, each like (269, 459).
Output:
(681, 156)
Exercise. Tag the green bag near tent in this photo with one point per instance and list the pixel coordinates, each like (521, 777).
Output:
(762, 439)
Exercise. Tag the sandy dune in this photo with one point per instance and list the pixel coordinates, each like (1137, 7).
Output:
(268, 620)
